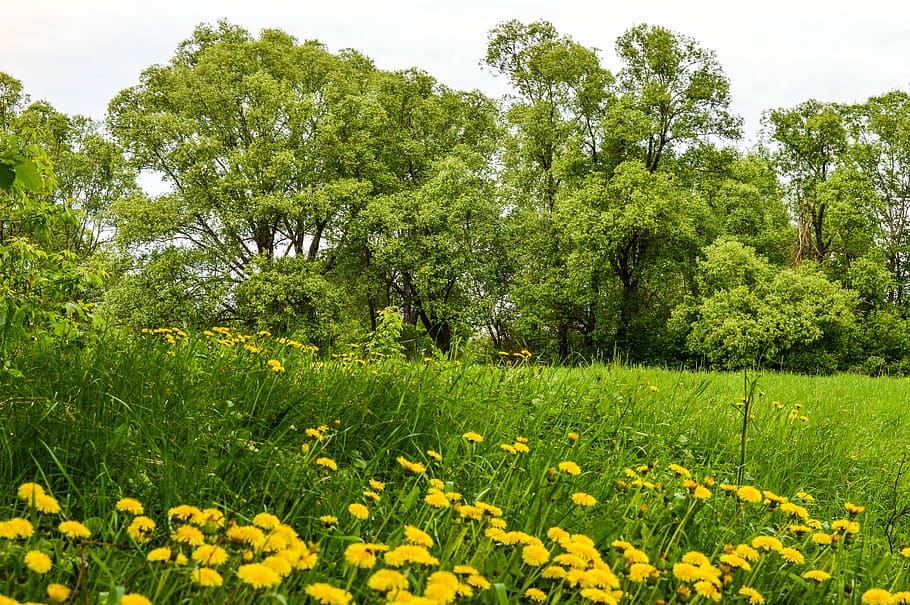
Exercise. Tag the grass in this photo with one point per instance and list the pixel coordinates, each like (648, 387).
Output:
(207, 422)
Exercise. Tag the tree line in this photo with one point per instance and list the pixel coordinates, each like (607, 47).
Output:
(592, 213)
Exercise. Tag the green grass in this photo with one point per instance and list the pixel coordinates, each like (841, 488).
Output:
(208, 425)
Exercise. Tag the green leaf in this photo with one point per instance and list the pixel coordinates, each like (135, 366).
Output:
(27, 174)
(7, 176)
(501, 597)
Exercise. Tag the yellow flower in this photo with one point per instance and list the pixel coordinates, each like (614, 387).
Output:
(371, 495)
(409, 553)
(558, 535)
(328, 463)
(140, 529)
(535, 555)
(275, 365)
(279, 565)
(377, 485)
(520, 447)
(361, 554)
(258, 575)
(30, 492)
(901, 598)
(134, 598)
(473, 437)
(536, 594)
(876, 596)
(641, 572)
(159, 554)
(755, 597)
(46, 504)
(188, 534)
(129, 505)
(436, 499)
(680, 470)
(414, 535)
(434, 455)
(573, 436)
(266, 521)
(685, 572)
(694, 557)
(359, 511)
(708, 590)
(210, 555)
(583, 499)
(478, 581)
(205, 576)
(17, 527)
(507, 448)
(329, 519)
(794, 510)
(792, 555)
(208, 519)
(58, 593)
(442, 587)
(854, 509)
(767, 543)
(414, 467)
(328, 594)
(747, 493)
(567, 466)
(184, 512)
(74, 529)
(821, 538)
(817, 575)
(386, 580)
(734, 560)
(38, 562)
(701, 493)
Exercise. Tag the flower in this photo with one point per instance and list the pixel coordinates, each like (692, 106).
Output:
(767, 543)
(377, 485)
(536, 594)
(708, 590)
(141, 528)
(159, 554)
(535, 555)
(478, 581)
(817, 575)
(17, 527)
(583, 499)
(569, 467)
(701, 493)
(854, 509)
(747, 493)
(640, 572)
(189, 535)
(258, 575)
(129, 505)
(821, 538)
(473, 437)
(30, 491)
(328, 463)
(58, 592)
(205, 576)
(385, 580)
(436, 455)
(210, 555)
(680, 470)
(359, 511)
(876, 596)
(46, 504)
(792, 555)
(38, 562)
(414, 467)
(409, 553)
(266, 520)
(329, 519)
(275, 365)
(328, 594)
(134, 598)
(755, 597)
(573, 436)
(361, 554)
(414, 535)
(437, 499)
(74, 529)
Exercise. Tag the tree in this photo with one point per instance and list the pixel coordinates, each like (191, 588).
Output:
(677, 92)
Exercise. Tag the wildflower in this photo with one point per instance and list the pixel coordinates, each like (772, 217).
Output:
(30, 492)
(734, 560)
(258, 575)
(207, 577)
(208, 519)
(573, 436)
(478, 581)
(905, 552)
(183, 512)
(708, 590)
(521, 447)
(371, 495)
(327, 463)
(536, 595)
(329, 519)
(583, 499)
(473, 437)
(17, 527)
(189, 535)
(701, 493)
(361, 554)
(47, 504)
(794, 510)
(210, 555)
(854, 509)
(817, 575)
(314, 433)
(414, 467)
(74, 529)
(767, 543)
(634, 555)
(535, 555)
(641, 572)
(805, 496)
(569, 467)
(876, 596)
(434, 455)
(792, 555)
(134, 598)
(685, 572)
(821, 538)
(180, 559)
(755, 597)
(129, 505)
(680, 470)
(597, 595)
(654, 388)
(507, 448)
(414, 535)
(468, 511)
(846, 526)
(359, 511)
(747, 493)
(377, 485)
(442, 587)
(553, 572)
(900, 598)
(279, 565)
(409, 553)
(489, 508)
(140, 529)
(436, 499)
(275, 365)
(38, 562)
(386, 580)
(58, 593)
(159, 554)
(699, 559)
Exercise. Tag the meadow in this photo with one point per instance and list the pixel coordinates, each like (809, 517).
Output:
(226, 468)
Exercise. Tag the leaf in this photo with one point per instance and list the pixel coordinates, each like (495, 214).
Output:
(7, 176)
(501, 597)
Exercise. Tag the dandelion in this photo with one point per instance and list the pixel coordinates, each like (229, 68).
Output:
(685, 572)
(183, 512)
(654, 388)
(701, 493)
(767, 543)
(17, 527)
(360, 554)
(817, 575)
(747, 493)
(680, 470)
(30, 491)
(377, 485)
(792, 555)
(436, 499)
(207, 577)
(794, 510)
(279, 565)
(208, 519)
(58, 593)
(188, 534)
(38, 562)
(386, 580)
(141, 529)
(536, 595)
(258, 575)
(134, 598)
(876, 596)
(854, 509)
(694, 557)
(329, 520)
(409, 553)
(371, 495)
(535, 555)
(359, 511)
(327, 463)
(275, 365)
(473, 437)
(708, 590)
(583, 499)
(597, 595)
(210, 555)
(478, 581)
(734, 560)
(900, 598)
(414, 535)
(414, 467)
(521, 447)
(754, 596)
(641, 572)
(821, 538)
(47, 504)
(129, 505)
(74, 529)
(567, 466)
(573, 436)
(159, 554)
(435, 455)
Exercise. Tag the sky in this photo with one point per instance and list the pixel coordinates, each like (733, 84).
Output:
(78, 54)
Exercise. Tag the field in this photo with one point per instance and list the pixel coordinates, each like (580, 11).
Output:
(223, 468)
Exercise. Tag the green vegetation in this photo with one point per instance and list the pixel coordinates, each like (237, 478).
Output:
(238, 426)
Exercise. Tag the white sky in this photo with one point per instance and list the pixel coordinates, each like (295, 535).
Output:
(77, 54)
